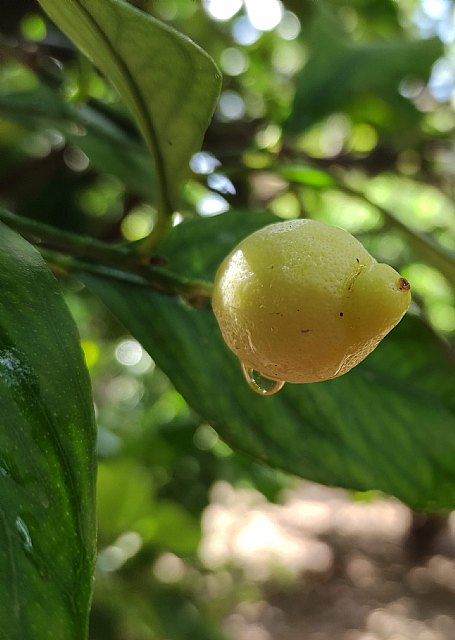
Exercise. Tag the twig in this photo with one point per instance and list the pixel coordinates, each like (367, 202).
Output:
(74, 253)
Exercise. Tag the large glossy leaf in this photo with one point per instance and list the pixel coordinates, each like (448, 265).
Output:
(389, 424)
(47, 456)
(168, 82)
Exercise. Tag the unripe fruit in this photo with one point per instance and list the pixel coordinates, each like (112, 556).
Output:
(302, 301)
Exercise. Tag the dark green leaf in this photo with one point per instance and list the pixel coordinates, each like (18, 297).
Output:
(168, 82)
(389, 424)
(47, 456)
(109, 149)
(309, 176)
(341, 75)
(126, 502)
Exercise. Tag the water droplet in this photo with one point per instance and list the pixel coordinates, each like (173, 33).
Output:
(13, 371)
(24, 533)
(260, 383)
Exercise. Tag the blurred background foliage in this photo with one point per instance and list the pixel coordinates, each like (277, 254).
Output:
(340, 111)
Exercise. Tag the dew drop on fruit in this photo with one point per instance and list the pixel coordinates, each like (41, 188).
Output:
(261, 384)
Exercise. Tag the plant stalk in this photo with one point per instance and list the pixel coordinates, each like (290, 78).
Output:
(74, 253)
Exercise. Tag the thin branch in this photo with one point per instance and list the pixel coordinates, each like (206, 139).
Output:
(74, 253)
(67, 242)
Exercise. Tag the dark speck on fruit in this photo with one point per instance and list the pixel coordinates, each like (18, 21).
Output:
(403, 284)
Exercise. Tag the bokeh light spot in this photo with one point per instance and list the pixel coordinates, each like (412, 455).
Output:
(233, 61)
(222, 10)
(204, 163)
(231, 106)
(33, 27)
(128, 352)
(212, 204)
(264, 15)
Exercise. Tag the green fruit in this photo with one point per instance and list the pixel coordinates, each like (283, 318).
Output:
(302, 301)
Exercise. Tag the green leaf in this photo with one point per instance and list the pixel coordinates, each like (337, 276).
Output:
(125, 495)
(306, 175)
(389, 424)
(126, 502)
(363, 77)
(169, 84)
(47, 456)
(108, 147)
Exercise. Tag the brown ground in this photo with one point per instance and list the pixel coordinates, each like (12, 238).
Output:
(331, 569)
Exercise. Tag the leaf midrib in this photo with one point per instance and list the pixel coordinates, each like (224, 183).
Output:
(149, 132)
